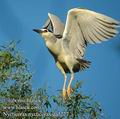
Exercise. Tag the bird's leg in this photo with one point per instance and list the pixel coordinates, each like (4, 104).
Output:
(64, 87)
(69, 89)
(65, 77)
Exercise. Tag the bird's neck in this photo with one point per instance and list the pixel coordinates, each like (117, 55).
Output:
(49, 43)
(53, 46)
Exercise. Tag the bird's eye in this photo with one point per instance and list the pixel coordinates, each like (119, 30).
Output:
(45, 30)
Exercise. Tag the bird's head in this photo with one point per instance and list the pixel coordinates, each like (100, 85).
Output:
(45, 33)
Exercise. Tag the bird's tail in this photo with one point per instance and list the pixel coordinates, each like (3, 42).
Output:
(84, 64)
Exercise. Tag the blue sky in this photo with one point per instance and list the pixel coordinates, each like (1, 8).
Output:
(101, 80)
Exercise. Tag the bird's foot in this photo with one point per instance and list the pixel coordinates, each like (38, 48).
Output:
(64, 94)
(69, 91)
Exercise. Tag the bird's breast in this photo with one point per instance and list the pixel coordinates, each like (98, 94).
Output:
(67, 58)
(62, 56)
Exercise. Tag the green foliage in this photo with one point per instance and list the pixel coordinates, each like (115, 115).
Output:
(14, 79)
(17, 97)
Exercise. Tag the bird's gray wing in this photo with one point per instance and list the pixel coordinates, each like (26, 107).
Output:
(84, 26)
(54, 24)
(48, 25)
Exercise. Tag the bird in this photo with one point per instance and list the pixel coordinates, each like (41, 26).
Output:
(67, 42)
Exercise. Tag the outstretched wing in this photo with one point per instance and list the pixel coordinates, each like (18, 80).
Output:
(84, 26)
(54, 24)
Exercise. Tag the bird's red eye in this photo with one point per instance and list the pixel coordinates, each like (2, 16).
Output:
(45, 30)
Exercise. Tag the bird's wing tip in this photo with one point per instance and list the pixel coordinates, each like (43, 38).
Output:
(49, 14)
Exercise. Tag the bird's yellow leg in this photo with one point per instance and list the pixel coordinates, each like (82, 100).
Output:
(65, 77)
(69, 89)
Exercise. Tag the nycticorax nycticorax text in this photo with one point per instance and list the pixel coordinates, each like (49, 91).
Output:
(67, 43)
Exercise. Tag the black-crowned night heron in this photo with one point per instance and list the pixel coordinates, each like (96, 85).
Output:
(67, 43)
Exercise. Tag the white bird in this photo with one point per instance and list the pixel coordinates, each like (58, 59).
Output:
(67, 43)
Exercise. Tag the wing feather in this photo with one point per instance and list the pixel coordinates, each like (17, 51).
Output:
(107, 29)
(85, 26)
(58, 26)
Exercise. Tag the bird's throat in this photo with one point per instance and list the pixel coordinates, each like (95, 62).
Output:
(53, 47)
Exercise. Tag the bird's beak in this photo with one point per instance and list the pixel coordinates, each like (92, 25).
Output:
(38, 30)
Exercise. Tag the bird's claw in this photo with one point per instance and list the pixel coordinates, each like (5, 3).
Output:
(64, 94)
(69, 91)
